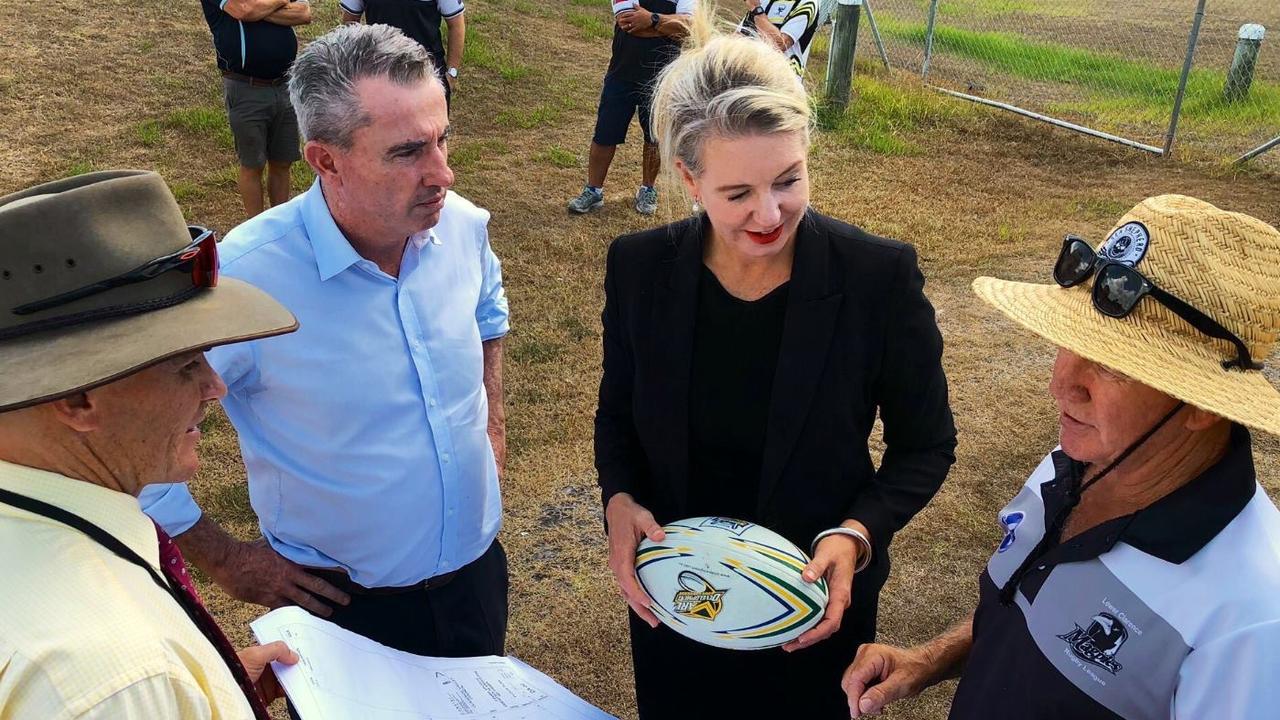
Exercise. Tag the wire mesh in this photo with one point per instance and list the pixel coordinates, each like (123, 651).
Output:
(1110, 65)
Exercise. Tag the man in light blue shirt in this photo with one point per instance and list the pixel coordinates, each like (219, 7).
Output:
(374, 436)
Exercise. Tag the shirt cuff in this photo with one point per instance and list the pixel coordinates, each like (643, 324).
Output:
(171, 506)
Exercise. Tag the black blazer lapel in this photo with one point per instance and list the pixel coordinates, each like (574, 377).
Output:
(806, 340)
(674, 312)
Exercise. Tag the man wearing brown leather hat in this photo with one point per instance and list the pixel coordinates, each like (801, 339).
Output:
(1139, 574)
(107, 301)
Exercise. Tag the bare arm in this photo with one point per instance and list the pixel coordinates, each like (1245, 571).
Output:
(252, 10)
(770, 32)
(294, 13)
(881, 674)
(457, 40)
(639, 23)
(497, 412)
(253, 572)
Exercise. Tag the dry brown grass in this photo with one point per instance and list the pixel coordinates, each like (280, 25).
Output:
(985, 194)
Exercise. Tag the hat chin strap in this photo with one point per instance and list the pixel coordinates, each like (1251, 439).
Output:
(1054, 531)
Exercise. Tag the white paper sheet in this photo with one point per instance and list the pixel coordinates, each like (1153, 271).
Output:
(345, 676)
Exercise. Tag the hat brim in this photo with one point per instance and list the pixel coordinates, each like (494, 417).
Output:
(1189, 371)
(57, 363)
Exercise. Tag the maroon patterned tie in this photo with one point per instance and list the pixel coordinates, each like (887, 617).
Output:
(175, 570)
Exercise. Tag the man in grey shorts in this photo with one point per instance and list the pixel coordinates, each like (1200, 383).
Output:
(255, 45)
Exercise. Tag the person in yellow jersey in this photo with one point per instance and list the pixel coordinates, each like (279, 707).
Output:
(107, 302)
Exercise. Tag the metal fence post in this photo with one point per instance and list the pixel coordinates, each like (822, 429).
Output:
(1273, 142)
(928, 38)
(1182, 82)
(875, 33)
(844, 42)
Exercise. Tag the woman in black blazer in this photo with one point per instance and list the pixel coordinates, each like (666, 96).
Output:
(747, 351)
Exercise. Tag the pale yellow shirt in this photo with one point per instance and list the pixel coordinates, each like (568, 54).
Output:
(85, 633)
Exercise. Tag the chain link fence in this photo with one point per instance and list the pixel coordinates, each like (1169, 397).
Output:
(1110, 68)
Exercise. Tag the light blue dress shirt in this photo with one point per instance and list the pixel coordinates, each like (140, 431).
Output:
(364, 432)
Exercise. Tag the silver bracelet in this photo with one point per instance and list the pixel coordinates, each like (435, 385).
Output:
(864, 557)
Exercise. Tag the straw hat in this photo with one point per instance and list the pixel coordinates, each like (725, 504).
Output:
(1225, 264)
(67, 234)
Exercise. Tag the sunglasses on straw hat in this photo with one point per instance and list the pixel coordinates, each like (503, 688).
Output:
(199, 258)
(1118, 288)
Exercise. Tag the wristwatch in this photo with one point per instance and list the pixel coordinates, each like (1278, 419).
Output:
(756, 12)
(452, 72)
(655, 19)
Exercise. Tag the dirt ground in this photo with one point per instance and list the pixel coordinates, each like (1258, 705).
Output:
(83, 88)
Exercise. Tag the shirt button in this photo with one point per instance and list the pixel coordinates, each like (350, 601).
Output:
(432, 402)
(1042, 567)
(445, 457)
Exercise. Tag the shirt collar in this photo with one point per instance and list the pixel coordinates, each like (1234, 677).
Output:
(1178, 525)
(115, 512)
(333, 251)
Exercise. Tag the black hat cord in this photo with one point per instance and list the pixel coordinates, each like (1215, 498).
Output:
(1054, 531)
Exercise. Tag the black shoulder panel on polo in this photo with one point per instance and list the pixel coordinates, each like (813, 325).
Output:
(259, 49)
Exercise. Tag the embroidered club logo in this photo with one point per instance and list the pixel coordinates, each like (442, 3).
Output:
(1011, 523)
(696, 597)
(1098, 643)
(1128, 244)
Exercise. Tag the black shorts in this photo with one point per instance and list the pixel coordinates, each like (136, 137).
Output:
(263, 123)
(619, 101)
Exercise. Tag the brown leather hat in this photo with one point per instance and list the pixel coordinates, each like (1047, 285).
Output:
(101, 277)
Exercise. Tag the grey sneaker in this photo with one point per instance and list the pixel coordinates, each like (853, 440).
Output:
(589, 200)
(647, 200)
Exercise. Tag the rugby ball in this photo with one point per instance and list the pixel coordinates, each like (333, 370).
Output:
(729, 583)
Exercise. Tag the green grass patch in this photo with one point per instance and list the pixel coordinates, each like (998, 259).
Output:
(559, 157)
(1116, 89)
(592, 26)
(149, 134)
(533, 351)
(998, 8)
(79, 167)
(540, 116)
(884, 117)
(183, 190)
(467, 154)
(481, 51)
(202, 121)
(301, 176)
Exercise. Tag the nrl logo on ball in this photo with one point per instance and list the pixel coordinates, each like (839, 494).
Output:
(697, 598)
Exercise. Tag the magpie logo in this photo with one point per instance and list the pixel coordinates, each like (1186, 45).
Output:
(1011, 523)
(1098, 643)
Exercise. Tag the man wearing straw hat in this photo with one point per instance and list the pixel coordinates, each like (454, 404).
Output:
(1139, 574)
(107, 301)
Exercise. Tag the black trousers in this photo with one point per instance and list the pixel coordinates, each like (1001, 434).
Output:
(679, 678)
(463, 618)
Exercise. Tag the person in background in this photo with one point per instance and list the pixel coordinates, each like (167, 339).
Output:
(374, 437)
(420, 20)
(646, 37)
(747, 353)
(790, 25)
(1138, 576)
(109, 301)
(255, 43)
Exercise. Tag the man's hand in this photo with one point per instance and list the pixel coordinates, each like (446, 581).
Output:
(257, 663)
(255, 573)
(835, 558)
(633, 22)
(881, 674)
(628, 524)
